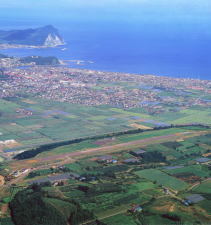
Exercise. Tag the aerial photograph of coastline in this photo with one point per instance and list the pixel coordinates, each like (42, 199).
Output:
(105, 112)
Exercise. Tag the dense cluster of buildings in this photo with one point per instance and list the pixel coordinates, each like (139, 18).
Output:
(100, 88)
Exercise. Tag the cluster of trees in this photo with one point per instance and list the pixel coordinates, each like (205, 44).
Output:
(172, 144)
(153, 157)
(101, 188)
(29, 204)
(39, 60)
(172, 217)
(29, 207)
(35, 174)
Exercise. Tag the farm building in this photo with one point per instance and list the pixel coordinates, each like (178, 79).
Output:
(57, 178)
(131, 160)
(138, 153)
(186, 202)
(136, 208)
(172, 167)
(17, 173)
(106, 159)
(203, 160)
(195, 198)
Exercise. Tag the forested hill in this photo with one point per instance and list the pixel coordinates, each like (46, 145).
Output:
(39, 60)
(46, 208)
(44, 36)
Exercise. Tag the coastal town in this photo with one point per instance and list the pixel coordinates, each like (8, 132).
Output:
(94, 88)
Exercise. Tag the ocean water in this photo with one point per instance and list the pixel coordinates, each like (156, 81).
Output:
(177, 47)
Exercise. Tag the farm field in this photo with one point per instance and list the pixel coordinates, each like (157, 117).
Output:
(198, 170)
(186, 116)
(204, 187)
(112, 188)
(162, 179)
(30, 122)
(112, 145)
(119, 219)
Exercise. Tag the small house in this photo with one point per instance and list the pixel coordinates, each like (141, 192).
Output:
(131, 161)
(136, 208)
(186, 202)
(203, 160)
(106, 159)
(138, 153)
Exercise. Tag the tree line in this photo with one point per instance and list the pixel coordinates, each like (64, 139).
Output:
(48, 147)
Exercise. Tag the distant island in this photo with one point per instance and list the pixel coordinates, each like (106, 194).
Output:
(47, 36)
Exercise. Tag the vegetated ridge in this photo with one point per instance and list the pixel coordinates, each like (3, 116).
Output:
(47, 36)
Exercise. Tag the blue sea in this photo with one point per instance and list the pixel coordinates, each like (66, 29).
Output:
(176, 46)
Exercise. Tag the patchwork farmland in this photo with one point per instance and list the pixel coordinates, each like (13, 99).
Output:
(104, 175)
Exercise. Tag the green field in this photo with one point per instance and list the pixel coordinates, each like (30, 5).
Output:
(142, 186)
(187, 116)
(204, 187)
(1, 159)
(120, 219)
(198, 170)
(149, 134)
(162, 179)
(206, 205)
(56, 121)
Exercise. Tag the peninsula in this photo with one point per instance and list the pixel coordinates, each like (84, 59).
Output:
(47, 36)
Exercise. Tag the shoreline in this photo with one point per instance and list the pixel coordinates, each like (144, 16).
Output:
(89, 64)
(8, 46)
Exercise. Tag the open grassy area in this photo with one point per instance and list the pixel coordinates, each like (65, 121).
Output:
(150, 134)
(142, 186)
(162, 179)
(204, 187)
(120, 219)
(186, 116)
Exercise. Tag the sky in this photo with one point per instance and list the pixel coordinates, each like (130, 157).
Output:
(162, 7)
(180, 14)
(195, 13)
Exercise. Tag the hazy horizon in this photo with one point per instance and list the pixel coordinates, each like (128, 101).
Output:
(141, 36)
